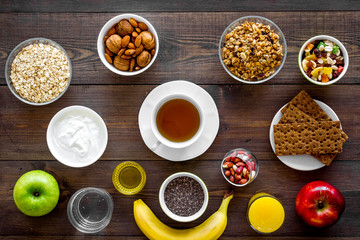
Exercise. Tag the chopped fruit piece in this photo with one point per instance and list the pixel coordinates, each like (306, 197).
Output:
(324, 78)
(327, 70)
(316, 71)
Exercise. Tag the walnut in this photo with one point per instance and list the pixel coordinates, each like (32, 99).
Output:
(121, 64)
(148, 40)
(143, 59)
(113, 43)
(124, 28)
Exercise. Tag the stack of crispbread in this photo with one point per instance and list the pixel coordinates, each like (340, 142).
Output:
(306, 129)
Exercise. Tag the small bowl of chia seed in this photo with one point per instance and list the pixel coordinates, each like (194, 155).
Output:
(183, 197)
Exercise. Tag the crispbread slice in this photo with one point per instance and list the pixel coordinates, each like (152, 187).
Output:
(308, 138)
(305, 103)
(292, 115)
(295, 115)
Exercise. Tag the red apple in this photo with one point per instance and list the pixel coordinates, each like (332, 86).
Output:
(319, 204)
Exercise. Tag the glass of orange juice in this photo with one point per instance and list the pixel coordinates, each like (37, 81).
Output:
(265, 213)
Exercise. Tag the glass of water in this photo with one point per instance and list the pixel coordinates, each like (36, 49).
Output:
(90, 209)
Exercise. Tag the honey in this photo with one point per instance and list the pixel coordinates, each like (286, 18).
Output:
(129, 178)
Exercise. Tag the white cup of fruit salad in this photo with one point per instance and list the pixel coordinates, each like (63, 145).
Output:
(323, 60)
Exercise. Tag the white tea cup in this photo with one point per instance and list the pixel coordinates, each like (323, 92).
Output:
(163, 140)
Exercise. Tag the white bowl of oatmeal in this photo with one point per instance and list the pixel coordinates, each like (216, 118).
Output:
(252, 49)
(38, 71)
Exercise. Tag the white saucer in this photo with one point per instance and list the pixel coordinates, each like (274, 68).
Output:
(300, 162)
(211, 120)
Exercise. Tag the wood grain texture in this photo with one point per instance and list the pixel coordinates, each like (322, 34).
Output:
(189, 32)
(122, 224)
(188, 43)
(166, 5)
(245, 116)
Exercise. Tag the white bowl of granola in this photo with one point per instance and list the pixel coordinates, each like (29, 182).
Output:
(323, 60)
(252, 49)
(38, 71)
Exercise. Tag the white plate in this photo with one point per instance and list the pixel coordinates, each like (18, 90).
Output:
(211, 120)
(300, 162)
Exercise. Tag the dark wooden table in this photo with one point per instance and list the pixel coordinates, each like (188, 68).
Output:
(189, 33)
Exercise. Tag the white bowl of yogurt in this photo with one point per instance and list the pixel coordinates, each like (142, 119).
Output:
(77, 136)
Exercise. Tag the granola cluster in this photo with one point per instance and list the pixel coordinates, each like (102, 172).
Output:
(252, 51)
(40, 72)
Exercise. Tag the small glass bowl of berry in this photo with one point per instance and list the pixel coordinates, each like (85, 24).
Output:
(323, 60)
(239, 167)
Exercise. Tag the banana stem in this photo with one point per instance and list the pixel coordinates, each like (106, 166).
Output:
(225, 203)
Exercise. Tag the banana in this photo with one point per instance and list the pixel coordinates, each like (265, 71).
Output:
(154, 229)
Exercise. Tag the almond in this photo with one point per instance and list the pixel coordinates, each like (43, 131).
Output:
(133, 22)
(132, 64)
(139, 49)
(134, 34)
(111, 31)
(130, 51)
(143, 26)
(108, 58)
(138, 41)
(121, 52)
(125, 41)
(138, 30)
(110, 53)
(124, 56)
(131, 45)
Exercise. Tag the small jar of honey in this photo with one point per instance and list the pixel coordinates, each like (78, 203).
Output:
(129, 178)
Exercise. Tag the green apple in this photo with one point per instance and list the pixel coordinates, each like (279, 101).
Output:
(36, 193)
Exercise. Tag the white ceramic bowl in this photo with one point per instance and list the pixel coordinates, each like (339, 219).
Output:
(77, 136)
(256, 19)
(101, 45)
(342, 49)
(13, 55)
(171, 214)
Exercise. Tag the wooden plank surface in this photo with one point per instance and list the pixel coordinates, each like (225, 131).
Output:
(188, 43)
(245, 116)
(189, 32)
(175, 6)
(285, 183)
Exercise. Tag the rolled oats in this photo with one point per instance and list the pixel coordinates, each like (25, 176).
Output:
(40, 72)
(252, 51)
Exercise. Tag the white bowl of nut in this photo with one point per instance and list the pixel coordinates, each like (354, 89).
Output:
(183, 197)
(38, 71)
(128, 44)
(252, 49)
(323, 60)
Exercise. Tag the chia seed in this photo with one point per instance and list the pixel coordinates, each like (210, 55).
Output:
(184, 196)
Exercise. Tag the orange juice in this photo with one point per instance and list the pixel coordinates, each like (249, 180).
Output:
(265, 213)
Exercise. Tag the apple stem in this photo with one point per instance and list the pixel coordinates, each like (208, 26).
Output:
(36, 194)
(320, 205)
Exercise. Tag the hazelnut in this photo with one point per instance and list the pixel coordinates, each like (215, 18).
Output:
(121, 64)
(124, 28)
(113, 43)
(143, 59)
(148, 40)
